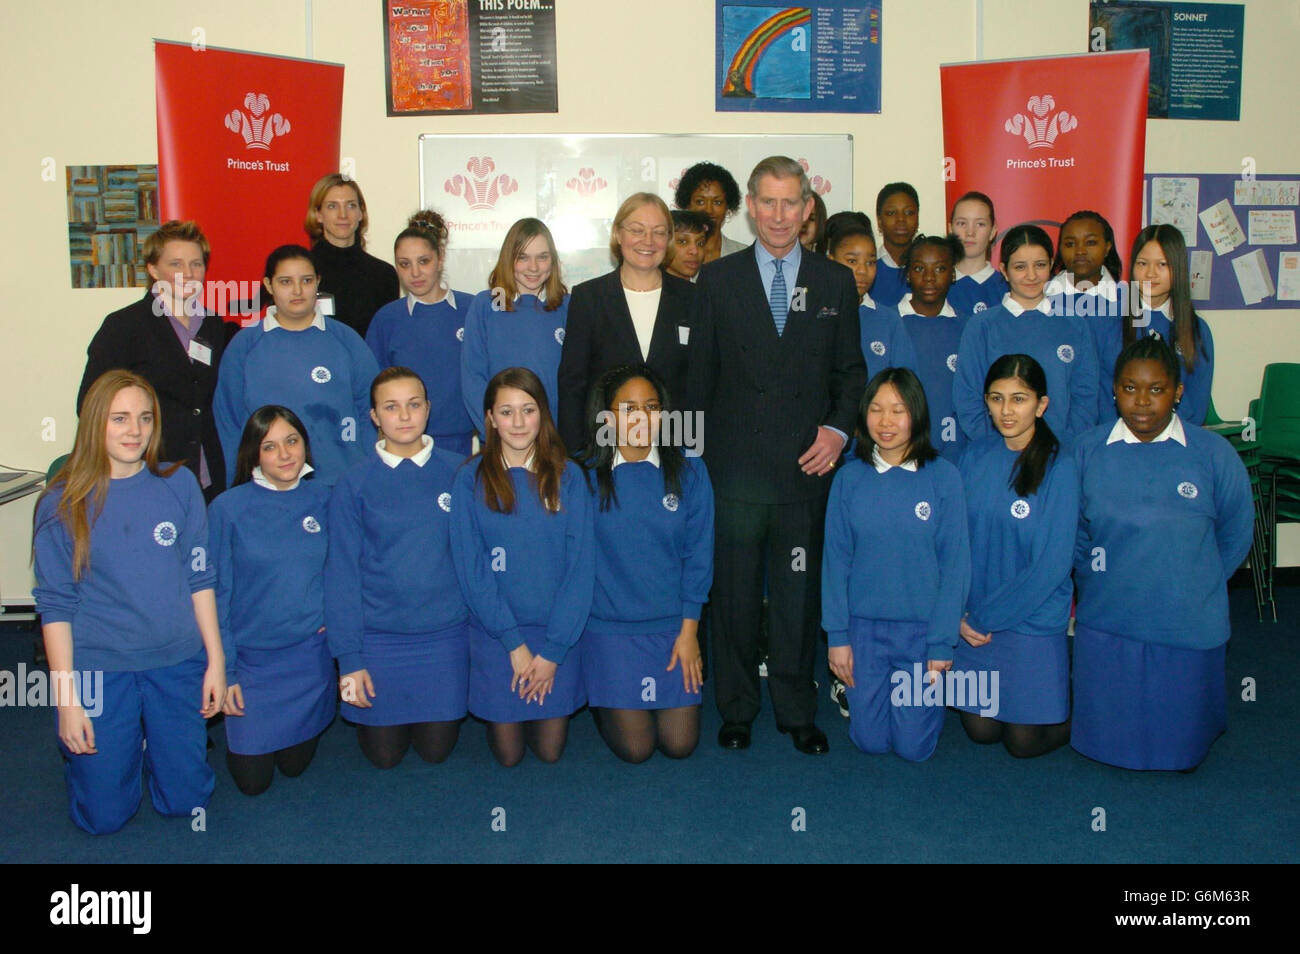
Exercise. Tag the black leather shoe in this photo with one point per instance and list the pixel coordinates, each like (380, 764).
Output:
(734, 735)
(808, 739)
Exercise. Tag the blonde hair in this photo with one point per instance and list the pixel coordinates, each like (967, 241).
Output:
(174, 231)
(332, 181)
(503, 273)
(85, 474)
(631, 204)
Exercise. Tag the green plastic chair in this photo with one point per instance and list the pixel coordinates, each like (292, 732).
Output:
(1277, 417)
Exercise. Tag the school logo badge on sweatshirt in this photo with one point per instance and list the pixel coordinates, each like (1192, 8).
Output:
(952, 363)
(878, 348)
(1188, 489)
(1065, 353)
(460, 334)
(310, 524)
(321, 374)
(980, 306)
(922, 510)
(165, 534)
(559, 335)
(444, 502)
(671, 503)
(1020, 509)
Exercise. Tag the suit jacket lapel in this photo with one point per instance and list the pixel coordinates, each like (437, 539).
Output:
(756, 311)
(619, 317)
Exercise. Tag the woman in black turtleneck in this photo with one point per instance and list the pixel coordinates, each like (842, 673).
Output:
(359, 282)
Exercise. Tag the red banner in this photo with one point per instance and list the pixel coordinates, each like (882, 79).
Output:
(1048, 136)
(242, 138)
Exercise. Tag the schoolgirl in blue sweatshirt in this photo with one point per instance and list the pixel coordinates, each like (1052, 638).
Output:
(124, 588)
(296, 357)
(268, 543)
(885, 344)
(641, 659)
(524, 548)
(897, 210)
(519, 320)
(977, 285)
(1159, 264)
(394, 614)
(1022, 505)
(1164, 497)
(895, 572)
(934, 330)
(424, 329)
(1024, 324)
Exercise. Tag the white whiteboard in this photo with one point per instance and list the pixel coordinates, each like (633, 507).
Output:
(575, 183)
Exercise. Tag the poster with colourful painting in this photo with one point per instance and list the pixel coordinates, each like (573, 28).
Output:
(111, 211)
(819, 58)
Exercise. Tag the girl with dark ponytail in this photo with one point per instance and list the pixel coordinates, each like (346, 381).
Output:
(423, 329)
(1022, 503)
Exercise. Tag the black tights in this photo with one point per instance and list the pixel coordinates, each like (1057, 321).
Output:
(385, 745)
(1022, 741)
(634, 734)
(546, 737)
(253, 773)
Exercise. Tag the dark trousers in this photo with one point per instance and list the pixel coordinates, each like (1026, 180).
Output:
(787, 539)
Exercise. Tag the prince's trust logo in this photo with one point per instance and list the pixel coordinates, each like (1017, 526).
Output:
(480, 189)
(256, 128)
(1040, 129)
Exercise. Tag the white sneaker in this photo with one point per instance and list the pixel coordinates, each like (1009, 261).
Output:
(840, 696)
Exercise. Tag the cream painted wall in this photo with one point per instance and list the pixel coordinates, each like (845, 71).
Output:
(89, 100)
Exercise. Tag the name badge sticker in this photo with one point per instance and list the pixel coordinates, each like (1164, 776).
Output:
(683, 334)
(326, 305)
(200, 352)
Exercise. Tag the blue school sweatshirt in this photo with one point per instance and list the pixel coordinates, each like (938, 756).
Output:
(1196, 383)
(1063, 346)
(427, 339)
(389, 569)
(133, 607)
(969, 296)
(935, 341)
(322, 375)
(654, 550)
(896, 548)
(888, 288)
(528, 337)
(885, 344)
(1022, 548)
(526, 568)
(1161, 528)
(269, 549)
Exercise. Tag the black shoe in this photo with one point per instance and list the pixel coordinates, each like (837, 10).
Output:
(808, 739)
(734, 735)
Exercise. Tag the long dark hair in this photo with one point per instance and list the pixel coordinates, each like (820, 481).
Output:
(550, 459)
(909, 388)
(1186, 327)
(1031, 466)
(1111, 262)
(250, 442)
(598, 453)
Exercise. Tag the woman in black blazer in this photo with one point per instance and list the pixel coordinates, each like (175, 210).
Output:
(637, 313)
(177, 355)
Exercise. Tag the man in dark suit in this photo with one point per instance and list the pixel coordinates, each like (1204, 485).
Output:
(169, 340)
(778, 373)
(600, 332)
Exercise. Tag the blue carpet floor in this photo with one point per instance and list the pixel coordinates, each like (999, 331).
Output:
(967, 804)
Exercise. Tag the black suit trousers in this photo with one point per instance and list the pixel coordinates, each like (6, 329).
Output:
(782, 542)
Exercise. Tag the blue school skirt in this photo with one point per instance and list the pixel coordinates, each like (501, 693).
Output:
(1145, 706)
(1033, 677)
(289, 696)
(490, 673)
(417, 678)
(630, 672)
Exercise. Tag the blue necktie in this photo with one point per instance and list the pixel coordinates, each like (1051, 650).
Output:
(778, 300)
